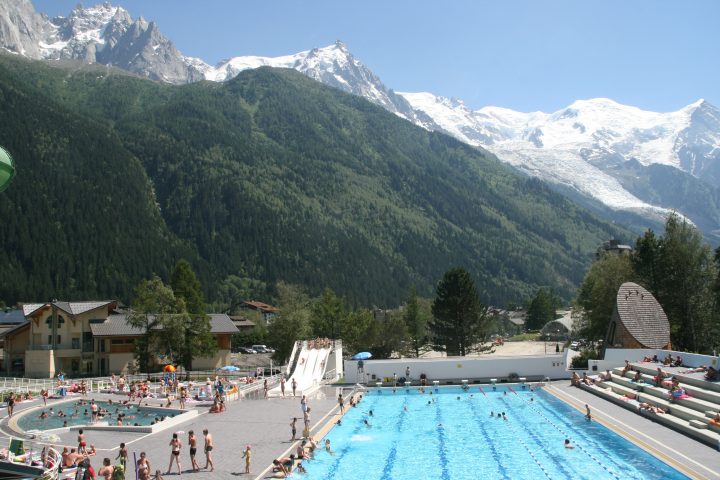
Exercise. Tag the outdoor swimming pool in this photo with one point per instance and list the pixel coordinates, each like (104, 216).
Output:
(458, 439)
(76, 415)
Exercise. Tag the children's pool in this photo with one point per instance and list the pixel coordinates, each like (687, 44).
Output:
(450, 438)
(76, 414)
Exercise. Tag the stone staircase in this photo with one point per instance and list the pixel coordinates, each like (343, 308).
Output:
(690, 416)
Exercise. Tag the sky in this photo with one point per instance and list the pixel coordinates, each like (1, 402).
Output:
(526, 55)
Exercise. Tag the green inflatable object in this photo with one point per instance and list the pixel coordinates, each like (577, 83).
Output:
(7, 169)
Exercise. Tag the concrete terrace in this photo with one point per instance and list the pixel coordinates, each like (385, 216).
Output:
(691, 457)
(262, 423)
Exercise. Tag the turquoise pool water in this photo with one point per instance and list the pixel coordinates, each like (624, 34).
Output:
(76, 414)
(455, 439)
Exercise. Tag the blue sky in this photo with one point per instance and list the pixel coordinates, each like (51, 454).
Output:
(526, 55)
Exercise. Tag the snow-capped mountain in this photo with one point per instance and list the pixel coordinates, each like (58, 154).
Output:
(101, 34)
(584, 145)
(618, 156)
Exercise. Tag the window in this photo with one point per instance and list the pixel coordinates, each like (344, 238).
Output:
(76, 342)
(48, 321)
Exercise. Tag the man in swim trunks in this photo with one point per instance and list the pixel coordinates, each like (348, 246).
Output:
(208, 450)
(192, 442)
(294, 386)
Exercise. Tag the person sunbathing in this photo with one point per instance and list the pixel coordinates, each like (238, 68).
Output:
(574, 380)
(638, 377)
(711, 374)
(678, 361)
(668, 360)
(715, 421)
(626, 368)
(659, 377)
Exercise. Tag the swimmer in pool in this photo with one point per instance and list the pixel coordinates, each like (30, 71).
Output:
(568, 444)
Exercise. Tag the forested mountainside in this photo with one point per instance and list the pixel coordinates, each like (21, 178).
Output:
(271, 176)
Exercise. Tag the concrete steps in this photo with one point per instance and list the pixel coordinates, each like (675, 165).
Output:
(692, 426)
(694, 380)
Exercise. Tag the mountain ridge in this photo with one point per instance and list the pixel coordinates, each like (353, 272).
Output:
(580, 147)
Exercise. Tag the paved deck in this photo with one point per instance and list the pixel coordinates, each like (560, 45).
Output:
(264, 424)
(684, 453)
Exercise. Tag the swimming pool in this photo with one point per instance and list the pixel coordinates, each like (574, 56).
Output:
(451, 439)
(80, 415)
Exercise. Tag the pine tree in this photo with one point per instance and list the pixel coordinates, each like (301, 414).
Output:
(416, 322)
(542, 309)
(459, 319)
(197, 339)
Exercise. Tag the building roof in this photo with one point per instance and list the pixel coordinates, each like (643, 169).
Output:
(242, 322)
(11, 317)
(263, 307)
(14, 328)
(117, 326)
(564, 323)
(71, 308)
(642, 316)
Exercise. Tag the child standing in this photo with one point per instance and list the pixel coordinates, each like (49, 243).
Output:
(248, 455)
(122, 455)
(293, 427)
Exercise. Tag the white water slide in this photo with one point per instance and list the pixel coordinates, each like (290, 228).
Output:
(309, 371)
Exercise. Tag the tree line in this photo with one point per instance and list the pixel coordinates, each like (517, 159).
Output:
(678, 268)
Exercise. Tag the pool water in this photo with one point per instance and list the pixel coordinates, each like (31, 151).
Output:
(455, 439)
(75, 415)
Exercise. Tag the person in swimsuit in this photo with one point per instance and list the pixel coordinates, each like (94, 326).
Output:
(293, 427)
(143, 467)
(265, 387)
(341, 402)
(175, 445)
(247, 454)
(282, 385)
(192, 441)
(294, 386)
(123, 455)
(81, 441)
(208, 450)
(107, 469)
(11, 404)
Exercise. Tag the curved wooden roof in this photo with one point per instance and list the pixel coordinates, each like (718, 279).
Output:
(643, 316)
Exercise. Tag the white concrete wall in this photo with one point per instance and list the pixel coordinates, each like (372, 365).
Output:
(118, 362)
(39, 363)
(457, 368)
(221, 358)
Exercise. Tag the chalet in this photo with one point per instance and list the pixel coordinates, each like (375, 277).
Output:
(87, 338)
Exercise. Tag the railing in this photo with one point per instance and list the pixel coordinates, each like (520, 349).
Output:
(47, 346)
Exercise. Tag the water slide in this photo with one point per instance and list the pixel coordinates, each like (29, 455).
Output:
(309, 371)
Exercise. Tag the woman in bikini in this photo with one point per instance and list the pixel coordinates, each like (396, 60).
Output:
(143, 467)
(175, 445)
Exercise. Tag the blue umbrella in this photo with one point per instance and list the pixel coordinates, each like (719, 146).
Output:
(229, 368)
(362, 356)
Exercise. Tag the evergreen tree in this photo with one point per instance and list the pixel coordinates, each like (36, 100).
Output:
(360, 331)
(328, 312)
(686, 276)
(391, 335)
(198, 341)
(416, 317)
(459, 319)
(645, 261)
(542, 309)
(293, 322)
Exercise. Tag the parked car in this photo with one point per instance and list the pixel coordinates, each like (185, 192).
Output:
(262, 349)
(245, 350)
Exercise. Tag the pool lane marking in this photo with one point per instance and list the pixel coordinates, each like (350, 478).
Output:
(441, 440)
(581, 433)
(647, 446)
(294, 445)
(559, 466)
(579, 446)
(390, 461)
(486, 436)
